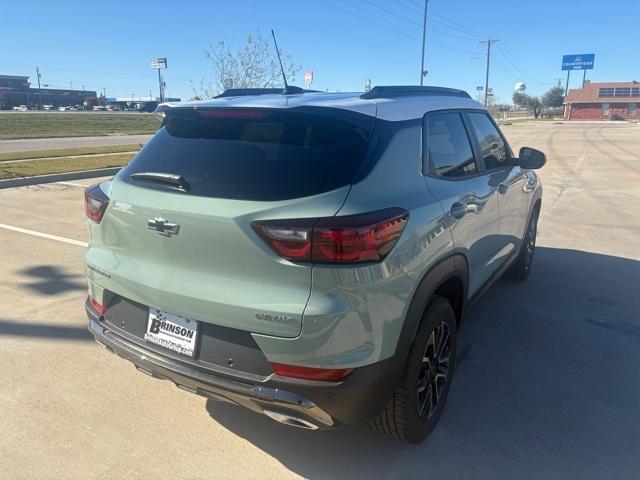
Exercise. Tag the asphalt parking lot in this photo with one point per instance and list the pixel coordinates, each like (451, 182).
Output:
(548, 383)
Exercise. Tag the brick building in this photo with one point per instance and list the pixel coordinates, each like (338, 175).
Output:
(16, 90)
(603, 101)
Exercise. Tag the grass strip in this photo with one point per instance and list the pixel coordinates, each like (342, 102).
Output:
(71, 124)
(61, 165)
(67, 152)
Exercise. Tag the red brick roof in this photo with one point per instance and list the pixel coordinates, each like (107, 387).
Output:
(589, 93)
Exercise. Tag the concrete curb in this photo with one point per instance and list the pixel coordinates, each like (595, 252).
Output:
(58, 177)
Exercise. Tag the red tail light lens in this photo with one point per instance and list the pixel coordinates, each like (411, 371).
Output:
(95, 203)
(290, 239)
(101, 309)
(348, 239)
(309, 373)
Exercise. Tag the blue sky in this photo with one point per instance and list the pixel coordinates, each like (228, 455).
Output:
(109, 44)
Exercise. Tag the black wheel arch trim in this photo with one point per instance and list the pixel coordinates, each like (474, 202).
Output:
(453, 266)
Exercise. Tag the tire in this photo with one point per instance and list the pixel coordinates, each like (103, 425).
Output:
(521, 268)
(412, 413)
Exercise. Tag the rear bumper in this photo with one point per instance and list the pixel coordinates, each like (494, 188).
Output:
(302, 403)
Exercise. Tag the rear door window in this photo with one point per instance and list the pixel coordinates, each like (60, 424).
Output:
(448, 147)
(256, 154)
(492, 146)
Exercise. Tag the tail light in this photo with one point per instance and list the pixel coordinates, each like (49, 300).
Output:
(95, 203)
(349, 239)
(98, 307)
(309, 373)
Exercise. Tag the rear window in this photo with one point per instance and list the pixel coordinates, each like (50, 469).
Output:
(254, 154)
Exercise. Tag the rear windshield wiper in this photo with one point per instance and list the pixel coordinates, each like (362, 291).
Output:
(170, 178)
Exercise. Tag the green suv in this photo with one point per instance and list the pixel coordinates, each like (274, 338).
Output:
(310, 256)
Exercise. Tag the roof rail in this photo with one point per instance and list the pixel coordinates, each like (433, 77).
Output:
(412, 91)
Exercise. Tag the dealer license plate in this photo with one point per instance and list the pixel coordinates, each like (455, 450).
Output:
(172, 331)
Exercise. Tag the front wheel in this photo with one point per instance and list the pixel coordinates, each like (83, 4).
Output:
(418, 400)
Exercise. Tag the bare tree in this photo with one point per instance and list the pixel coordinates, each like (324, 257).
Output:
(255, 65)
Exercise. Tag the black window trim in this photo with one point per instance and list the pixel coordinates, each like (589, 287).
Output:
(427, 166)
(511, 160)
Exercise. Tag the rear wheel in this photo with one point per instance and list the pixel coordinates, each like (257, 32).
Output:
(522, 266)
(419, 398)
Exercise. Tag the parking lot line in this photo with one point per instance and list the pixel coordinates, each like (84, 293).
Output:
(43, 235)
(71, 184)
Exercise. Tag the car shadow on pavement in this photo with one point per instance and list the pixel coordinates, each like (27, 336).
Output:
(51, 280)
(547, 386)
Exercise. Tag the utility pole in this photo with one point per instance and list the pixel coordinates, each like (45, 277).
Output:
(423, 73)
(39, 91)
(160, 85)
(488, 41)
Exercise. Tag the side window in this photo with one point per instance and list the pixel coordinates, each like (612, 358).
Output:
(449, 150)
(492, 147)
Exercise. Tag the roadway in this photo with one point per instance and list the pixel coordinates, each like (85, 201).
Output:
(27, 144)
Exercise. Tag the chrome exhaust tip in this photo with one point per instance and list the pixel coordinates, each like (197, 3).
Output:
(290, 420)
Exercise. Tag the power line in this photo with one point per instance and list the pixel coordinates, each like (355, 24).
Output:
(441, 32)
(457, 26)
(361, 17)
(514, 61)
(445, 21)
(390, 12)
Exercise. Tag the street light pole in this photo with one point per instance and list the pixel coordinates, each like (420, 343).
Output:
(424, 39)
(39, 91)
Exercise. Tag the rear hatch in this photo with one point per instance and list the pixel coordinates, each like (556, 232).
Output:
(188, 248)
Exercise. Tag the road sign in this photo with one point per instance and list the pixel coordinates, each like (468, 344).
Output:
(367, 85)
(227, 83)
(479, 88)
(159, 63)
(489, 91)
(308, 77)
(578, 62)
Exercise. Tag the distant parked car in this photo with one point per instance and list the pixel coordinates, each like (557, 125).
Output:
(47, 107)
(99, 108)
(146, 107)
(21, 108)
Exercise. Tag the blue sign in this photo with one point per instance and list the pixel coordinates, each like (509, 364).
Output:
(578, 62)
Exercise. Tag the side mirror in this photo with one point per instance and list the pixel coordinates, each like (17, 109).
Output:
(531, 159)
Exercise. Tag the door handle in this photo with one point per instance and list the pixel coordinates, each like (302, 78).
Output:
(502, 188)
(460, 209)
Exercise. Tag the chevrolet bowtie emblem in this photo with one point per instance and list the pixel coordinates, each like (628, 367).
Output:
(163, 227)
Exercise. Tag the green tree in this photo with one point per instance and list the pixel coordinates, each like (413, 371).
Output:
(553, 97)
(255, 65)
(520, 99)
(528, 102)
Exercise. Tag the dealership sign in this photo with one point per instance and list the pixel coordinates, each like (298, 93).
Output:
(159, 63)
(578, 62)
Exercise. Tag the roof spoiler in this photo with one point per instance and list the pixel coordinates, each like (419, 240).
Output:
(242, 92)
(412, 91)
